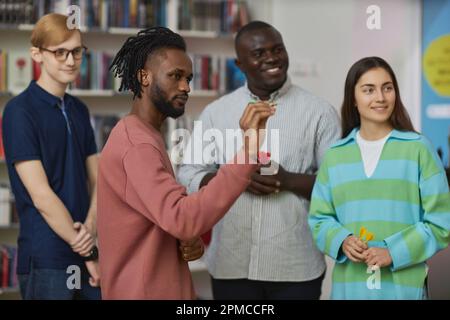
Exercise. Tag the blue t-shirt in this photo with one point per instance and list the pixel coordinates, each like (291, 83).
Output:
(40, 126)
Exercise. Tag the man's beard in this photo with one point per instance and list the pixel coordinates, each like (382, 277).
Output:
(159, 99)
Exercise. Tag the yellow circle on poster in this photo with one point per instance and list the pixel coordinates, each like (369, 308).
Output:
(436, 65)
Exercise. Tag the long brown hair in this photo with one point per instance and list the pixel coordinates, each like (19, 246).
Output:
(350, 117)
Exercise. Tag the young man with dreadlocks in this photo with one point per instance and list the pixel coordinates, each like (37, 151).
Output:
(142, 210)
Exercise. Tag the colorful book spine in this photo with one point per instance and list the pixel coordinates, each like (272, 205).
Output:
(225, 16)
(19, 71)
(8, 265)
(216, 73)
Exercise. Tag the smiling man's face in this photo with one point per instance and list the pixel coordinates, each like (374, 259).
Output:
(263, 58)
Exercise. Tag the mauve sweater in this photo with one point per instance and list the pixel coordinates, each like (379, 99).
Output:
(143, 211)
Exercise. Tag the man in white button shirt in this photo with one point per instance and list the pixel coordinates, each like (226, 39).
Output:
(263, 249)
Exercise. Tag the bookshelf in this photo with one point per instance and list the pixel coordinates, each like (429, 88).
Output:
(203, 39)
(9, 293)
(117, 31)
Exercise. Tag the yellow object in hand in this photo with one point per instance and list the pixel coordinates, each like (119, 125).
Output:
(365, 235)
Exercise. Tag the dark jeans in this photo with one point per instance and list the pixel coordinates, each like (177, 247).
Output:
(245, 289)
(51, 284)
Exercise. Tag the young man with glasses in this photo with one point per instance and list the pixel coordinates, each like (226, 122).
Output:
(52, 165)
(62, 54)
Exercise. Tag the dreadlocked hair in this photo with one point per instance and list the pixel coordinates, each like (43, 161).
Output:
(135, 51)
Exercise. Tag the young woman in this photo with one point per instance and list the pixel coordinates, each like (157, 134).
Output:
(385, 178)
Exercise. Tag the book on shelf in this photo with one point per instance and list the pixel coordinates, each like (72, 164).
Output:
(94, 73)
(218, 73)
(36, 70)
(235, 78)
(8, 265)
(222, 16)
(2, 149)
(14, 212)
(102, 125)
(5, 206)
(19, 71)
(15, 11)
(102, 14)
(16, 70)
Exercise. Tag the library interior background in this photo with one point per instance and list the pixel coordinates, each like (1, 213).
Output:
(323, 39)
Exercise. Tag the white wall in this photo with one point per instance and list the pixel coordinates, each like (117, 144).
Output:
(329, 36)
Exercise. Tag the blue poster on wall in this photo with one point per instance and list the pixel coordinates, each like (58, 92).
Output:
(436, 75)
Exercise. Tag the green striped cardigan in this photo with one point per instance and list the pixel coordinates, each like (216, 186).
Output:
(405, 203)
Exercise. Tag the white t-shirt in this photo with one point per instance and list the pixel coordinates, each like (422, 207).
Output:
(370, 152)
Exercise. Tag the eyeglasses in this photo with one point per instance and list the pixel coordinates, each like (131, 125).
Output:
(62, 54)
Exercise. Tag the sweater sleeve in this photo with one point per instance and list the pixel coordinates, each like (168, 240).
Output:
(153, 191)
(422, 240)
(328, 232)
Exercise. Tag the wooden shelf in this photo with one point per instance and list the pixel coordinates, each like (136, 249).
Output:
(112, 93)
(93, 93)
(204, 93)
(9, 290)
(16, 27)
(199, 34)
(25, 27)
(205, 34)
(11, 226)
(122, 31)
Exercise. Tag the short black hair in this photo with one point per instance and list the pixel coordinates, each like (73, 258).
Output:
(249, 27)
(135, 51)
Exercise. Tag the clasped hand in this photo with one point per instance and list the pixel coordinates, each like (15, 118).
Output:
(358, 251)
(82, 245)
(268, 184)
